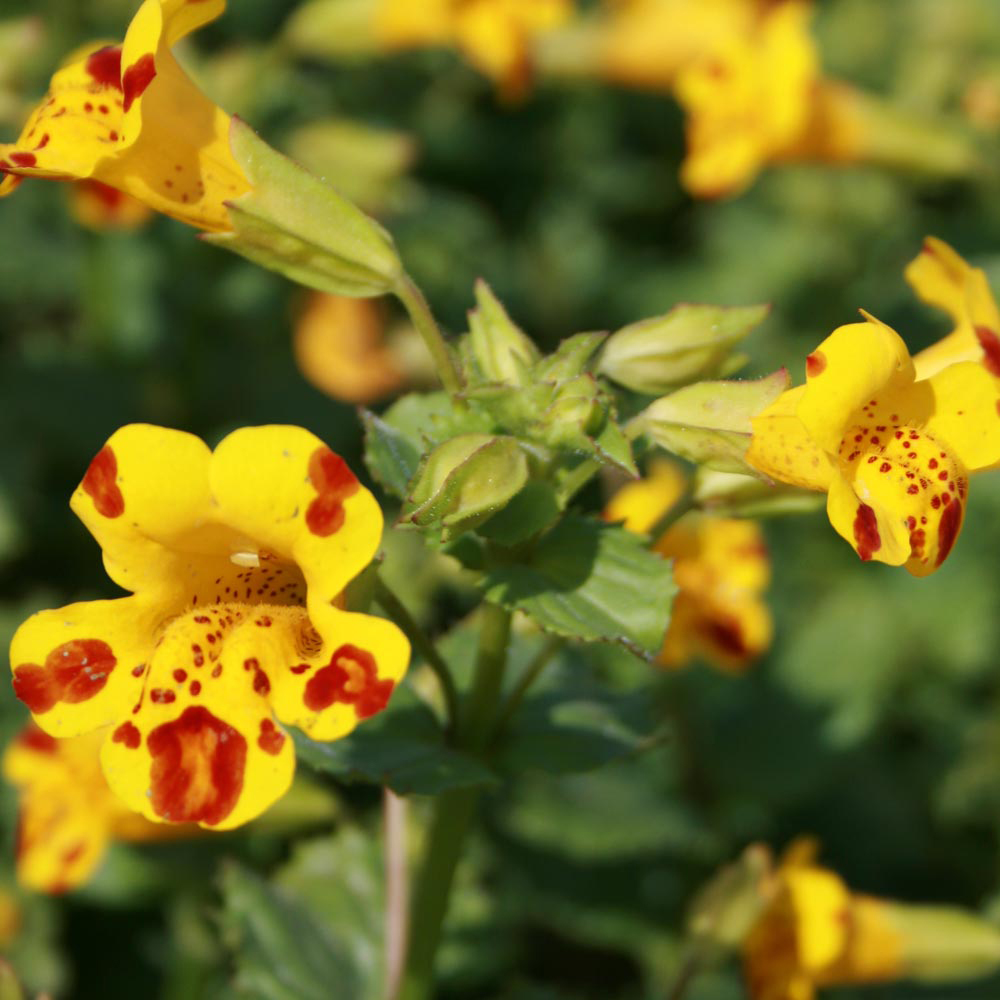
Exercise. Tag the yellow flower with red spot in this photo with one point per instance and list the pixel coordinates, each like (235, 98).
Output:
(100, 207)
(128, 116)
(721, 568)
(67, 815)
(893, 450)
(495, 35)
(236, 562)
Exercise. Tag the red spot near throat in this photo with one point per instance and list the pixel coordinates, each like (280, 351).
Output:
(32, 738)
(350, 678)
(198, 766)
(137, 78)
(815, 364)
(334, 482)
(948, 529)
(23, 159)
(866, 536)
(100, 484)
(990, 344)
(271, 739)
(105, 66)
(127, 734)
(73, 672)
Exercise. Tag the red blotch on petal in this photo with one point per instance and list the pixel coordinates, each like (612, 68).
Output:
(334, 482)
(350, 678)
(23, 159)
(815, 364)
(128, 734)
(32, 738)
(137, 78)
(950, 525)
(866, 534)
(727, 635)
(100, 484)
(105, 66)
(73, 672)
(990, 344)
(271, 739)
(198, 767)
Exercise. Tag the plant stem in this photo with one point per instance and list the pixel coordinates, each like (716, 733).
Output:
(686, 974)
(453, 812)
(575, 480)
(423, 319)
(531, 674)
(396, 889)
(685, 505)
(423, 644)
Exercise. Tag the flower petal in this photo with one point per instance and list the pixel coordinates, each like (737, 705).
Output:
(783, 449)
(939, 275)
(850, 368)
(79, 668)
(640, 504)
(885, 539)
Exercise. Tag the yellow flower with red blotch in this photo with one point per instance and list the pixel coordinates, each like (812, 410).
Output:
(128, 116)
(99, 207)
(721, 568)
(892, 439)
(67, 814)
(236, 562)
(494, 35)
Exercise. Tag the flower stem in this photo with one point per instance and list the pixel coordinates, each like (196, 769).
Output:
(453, 812)
(423, 319)
(531, 674)
(423, 644)
(397, 888)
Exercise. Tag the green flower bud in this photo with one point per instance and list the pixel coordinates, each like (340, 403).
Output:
(465, 481)
(943, 943)
(734, 494)
(500, 351)
(689, 342)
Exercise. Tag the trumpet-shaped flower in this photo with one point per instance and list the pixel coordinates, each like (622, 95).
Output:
(495, 35)
(68, 815)
(128, 116)
(721, 569)
(892, 451)
(236, 561)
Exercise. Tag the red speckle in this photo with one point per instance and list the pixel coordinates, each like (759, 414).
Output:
(100, 484)
(162, 696)
(73, 672)
(44, 142)
(271, 739)
(936, 502)
(23, 159)
(32, 738)
(105, 66)
(128, 734)
(300, 668)
(139, 670)
(88, 107)
(104, 109)
(912, 489)
(727, 635)
(866, 534)
(932, 464)
(951, 523)
(180, 676)
(261, 683)
(195, 688)
(815, 364)
(350, 678)
(202, 619)
(263, 622)
(943, 476)
(217, 672)
(990, 344)
(885, 467)
(334, 482)
(198, 767)
(137, 78)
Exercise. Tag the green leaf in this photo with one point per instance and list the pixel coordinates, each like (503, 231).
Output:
(282, 952)
(402, 748)
(533, 510)
(392, 457)
(591, 581)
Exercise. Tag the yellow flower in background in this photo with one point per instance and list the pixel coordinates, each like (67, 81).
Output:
(721, 568)
(892, 450)
(236, 561)
(10, 917)
(128, 116)
(494, 35)
(99, 207)
(816, 932)
(943, 279)
(67, 815)
(340, 349)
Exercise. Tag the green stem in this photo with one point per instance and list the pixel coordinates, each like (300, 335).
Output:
(422, 643)
(576, 479)
(531, 674)
(423, 319)
(685, 977)
(685, 505)
(453, 812)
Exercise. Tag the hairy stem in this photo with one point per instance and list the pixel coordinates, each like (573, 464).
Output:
(531, 674)
(423, 319)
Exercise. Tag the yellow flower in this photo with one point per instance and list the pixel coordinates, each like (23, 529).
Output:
(127, 115)
(340, 350)
(10, 917)
(99, 207)
(815, 932)
(494, 35)
(892, 450)
(67, 813)
(941, 278)
(721, 568)
(236, 561)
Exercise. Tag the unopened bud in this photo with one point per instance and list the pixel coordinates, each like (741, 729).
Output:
(500, 350)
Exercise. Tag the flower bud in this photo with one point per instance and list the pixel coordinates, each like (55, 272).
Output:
(293, 223)
(465, 481)
(500, 350)
(738, 495)
(689, 342)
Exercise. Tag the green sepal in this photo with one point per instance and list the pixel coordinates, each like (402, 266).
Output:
(294, 223)
(497, 348)
(709, 423)
(571, 358)
(531, 511)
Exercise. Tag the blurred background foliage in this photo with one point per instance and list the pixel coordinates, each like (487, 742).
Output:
(873, 722)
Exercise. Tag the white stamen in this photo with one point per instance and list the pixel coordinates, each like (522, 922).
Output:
(245, 559)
